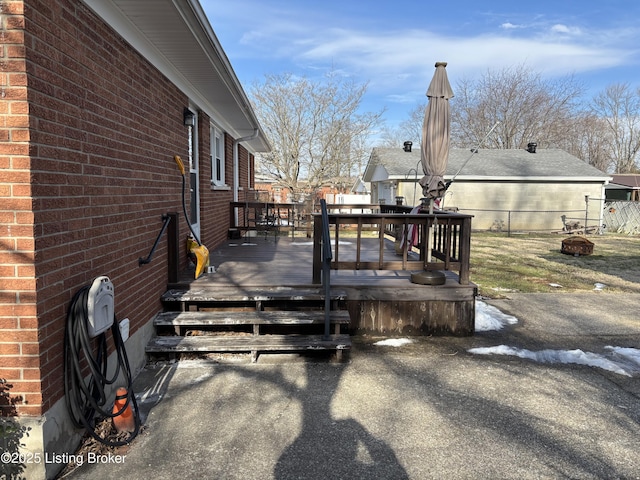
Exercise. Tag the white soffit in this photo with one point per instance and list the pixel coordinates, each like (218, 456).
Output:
(176, 37)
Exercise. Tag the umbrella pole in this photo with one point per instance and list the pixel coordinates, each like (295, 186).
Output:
(425, 276)
(429, 232)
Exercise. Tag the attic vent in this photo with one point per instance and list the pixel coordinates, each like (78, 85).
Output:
(531, 147)
(407, 146)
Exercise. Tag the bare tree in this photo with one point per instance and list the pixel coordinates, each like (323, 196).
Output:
(410, 129)
(315, 129)
(528, 107)
(587, 137)
(619, 108)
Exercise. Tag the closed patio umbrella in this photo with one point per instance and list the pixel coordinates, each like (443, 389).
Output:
(434, 150)
(434, 154)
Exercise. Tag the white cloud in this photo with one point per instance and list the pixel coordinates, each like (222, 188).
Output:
(399, 62)
(407, 57)
(565, 29)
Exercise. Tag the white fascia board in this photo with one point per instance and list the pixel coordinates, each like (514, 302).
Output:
(477, 178)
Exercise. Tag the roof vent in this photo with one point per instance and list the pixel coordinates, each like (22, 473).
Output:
(407, 146)
(531, 147)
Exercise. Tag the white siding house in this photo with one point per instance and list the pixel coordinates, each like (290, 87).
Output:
(515, 189)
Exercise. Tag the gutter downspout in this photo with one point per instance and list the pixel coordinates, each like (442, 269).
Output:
(236, 169)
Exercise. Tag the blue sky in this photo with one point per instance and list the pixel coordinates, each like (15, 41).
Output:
(394, 45)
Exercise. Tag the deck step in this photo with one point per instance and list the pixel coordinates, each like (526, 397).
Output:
(247, 343)
(232, 294)
(211, 318)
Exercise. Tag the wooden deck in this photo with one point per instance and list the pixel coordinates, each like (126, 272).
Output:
(383, 301)
(263, 261)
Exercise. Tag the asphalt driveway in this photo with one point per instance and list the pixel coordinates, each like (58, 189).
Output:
(425, 410)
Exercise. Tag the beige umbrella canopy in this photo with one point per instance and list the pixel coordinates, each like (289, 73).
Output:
(435, 134)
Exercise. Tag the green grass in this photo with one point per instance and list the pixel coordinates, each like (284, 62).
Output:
(531, 263)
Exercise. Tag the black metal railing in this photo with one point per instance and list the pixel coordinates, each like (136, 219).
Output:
(326, 266)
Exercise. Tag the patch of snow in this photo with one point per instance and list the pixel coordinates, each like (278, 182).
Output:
(489, 318)
(598, 286)
(394, 342)
(555, 285)
(631, 356)
(571, 356)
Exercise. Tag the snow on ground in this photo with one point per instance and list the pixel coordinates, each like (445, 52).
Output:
(394, 342)
(623, 361)
(489, 318)
(617, 363)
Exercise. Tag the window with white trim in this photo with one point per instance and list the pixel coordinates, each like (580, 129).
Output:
(217, 157)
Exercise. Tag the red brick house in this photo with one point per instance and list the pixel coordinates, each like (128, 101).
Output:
(94, 99)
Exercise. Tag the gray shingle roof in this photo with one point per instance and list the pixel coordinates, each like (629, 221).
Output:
(552, 163)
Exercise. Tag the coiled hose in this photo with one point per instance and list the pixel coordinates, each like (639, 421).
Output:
(85, 399)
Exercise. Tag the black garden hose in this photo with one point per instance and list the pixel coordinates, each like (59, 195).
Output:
(86, 399)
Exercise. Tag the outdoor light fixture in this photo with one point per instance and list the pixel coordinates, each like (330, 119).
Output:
(407, 146)
(189, 118)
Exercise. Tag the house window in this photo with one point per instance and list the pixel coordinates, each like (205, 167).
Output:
(217, 157)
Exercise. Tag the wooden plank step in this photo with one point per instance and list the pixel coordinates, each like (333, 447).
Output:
(249, 343)
(226, 294)
(203, 318)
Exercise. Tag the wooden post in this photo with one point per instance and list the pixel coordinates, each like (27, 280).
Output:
(447, 245)
(465, 250)
(173, 248)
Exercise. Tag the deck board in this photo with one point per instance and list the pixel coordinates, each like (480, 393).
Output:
(213, 343)
(210, 318)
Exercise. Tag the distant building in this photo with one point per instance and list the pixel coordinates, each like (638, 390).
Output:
(624, 187)
(514, 188)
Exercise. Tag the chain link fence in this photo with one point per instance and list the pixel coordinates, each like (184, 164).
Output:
(617, 216)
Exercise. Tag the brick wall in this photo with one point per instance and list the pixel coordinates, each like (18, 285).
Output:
(87, 173)
(19, 359)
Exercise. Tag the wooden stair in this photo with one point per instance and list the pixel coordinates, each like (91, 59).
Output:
(254, 320)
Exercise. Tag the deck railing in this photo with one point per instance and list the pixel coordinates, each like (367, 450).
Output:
(287, 217)
(443, 242)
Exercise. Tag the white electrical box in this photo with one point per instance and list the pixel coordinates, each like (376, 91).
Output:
(124, 329)
(100, 306)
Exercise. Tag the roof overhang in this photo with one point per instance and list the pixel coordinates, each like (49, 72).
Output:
(176, 37)
(530, 179)
(376, 174)
(520, 179)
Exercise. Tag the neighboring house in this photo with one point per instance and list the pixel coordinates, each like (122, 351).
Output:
(624, 187)
(515, 189)
(95, 98)
(271, 191)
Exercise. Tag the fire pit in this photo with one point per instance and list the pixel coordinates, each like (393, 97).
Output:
(577, 246)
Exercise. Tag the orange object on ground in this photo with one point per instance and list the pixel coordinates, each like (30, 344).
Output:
(124, 422)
